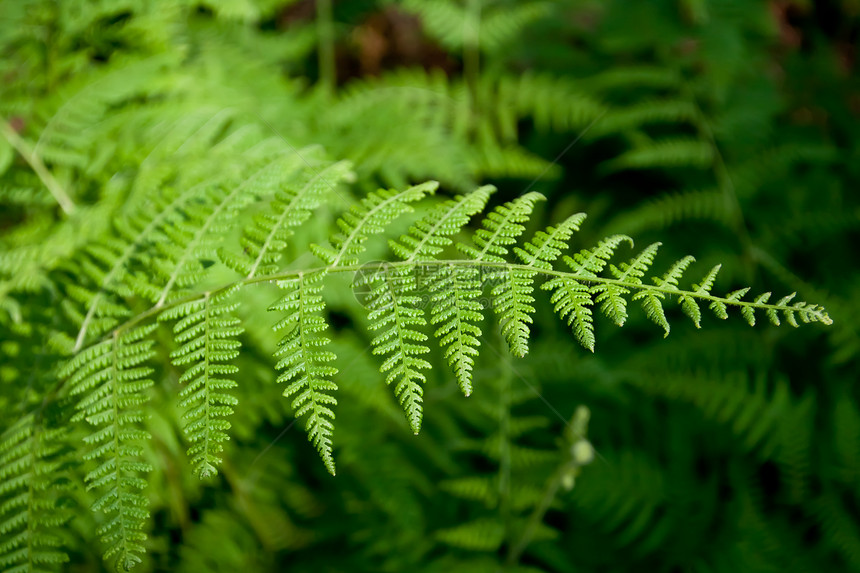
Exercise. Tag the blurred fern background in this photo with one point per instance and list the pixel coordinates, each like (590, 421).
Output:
(726, 128)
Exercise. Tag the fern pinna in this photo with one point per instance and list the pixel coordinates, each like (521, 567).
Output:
(110, 380)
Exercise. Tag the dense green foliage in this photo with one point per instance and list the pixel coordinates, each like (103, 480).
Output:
(222, 218)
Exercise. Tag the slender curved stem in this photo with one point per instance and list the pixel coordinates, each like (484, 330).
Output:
(22, 147)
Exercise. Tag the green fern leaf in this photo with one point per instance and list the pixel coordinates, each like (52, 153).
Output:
(572, 300)
(453, 290)
(645, 113)
(677, 152)
(590, 262)
(185, 225)
(454, 306)
(546, 246)
(511, 297)
(206, 334)
(31, 483)
(478, 535)
(501, 228)
(689, 304)
(428, 237)
(113, 382)
(370, 216)
(612, 295)
(194, 239)
(291, 206)
(674, 274)
(393, 311)
(304, 362)
(652, 302)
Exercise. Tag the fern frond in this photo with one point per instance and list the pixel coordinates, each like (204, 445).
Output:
(305, 362)
(500, 228)
(183, 226)
(612, 295)
(491, 161)
(589, 263)
(672, 208)
(512, 298)
(31, 480)
(291, 206)
(572, 301)
(477, 535)
(552, 103)
(675, 152)
(393, 311)
(644, 113)
(428, 237)
(691, 307)
(454, 291)
(444, 21)
(454, 308)
(501, 26)
(111, 378)
(368, 217)
(195, 237)
(750, 408)
(71, 135)
(206, 335)
(546, 246)
(627, 77)
(572, 298)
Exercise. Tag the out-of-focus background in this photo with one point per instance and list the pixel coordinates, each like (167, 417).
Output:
(727, 129)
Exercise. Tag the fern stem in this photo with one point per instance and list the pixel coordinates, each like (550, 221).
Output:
(116, 445)
(516, 549)
(31, 521)
(325, 48)
(457, 263)
(66, 204)
(206, 372)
